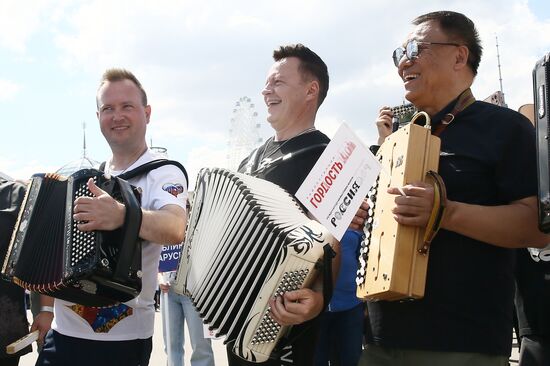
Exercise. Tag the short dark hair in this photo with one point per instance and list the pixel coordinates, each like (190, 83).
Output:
(116, 74)
(460, 28)
(311, 65)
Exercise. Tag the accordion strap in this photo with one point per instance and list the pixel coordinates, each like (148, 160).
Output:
(147, 167)
(131, 228)
(263, 167)
(328, 255)
(434, 222)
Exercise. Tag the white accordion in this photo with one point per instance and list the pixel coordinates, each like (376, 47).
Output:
(247, 241)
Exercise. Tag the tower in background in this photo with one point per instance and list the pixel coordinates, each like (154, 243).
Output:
(83, 163)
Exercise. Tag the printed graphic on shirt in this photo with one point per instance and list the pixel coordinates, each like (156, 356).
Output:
(173, 188)
(102, 320)
(286, 356)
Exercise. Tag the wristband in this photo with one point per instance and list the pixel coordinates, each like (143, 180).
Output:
(48, 309)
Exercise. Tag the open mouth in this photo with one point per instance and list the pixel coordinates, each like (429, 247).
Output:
(410, 77)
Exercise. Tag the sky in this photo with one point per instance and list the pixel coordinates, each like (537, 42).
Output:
(197, 58)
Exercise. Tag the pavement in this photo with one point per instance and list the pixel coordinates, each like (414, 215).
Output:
(158, 357)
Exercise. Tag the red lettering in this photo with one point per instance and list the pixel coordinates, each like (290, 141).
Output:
(311, 201)
(321, 193)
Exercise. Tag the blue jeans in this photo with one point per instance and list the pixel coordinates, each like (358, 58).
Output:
(179, 309)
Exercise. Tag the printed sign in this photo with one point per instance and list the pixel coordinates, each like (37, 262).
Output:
(169, 258)
(339, 181)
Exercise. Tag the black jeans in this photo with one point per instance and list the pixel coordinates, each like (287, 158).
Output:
(61, 350)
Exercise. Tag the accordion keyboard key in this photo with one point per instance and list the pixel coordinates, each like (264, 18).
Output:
(84, 241)
(367, 229)
(269, 329)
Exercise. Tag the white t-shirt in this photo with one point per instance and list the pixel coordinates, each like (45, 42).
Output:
(140, 324)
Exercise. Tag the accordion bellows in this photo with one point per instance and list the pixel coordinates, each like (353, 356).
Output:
(49, 255)
(247, 241)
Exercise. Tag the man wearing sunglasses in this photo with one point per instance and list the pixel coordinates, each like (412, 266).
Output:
(465, 317)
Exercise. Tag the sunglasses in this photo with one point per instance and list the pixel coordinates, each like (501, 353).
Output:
(412, 50)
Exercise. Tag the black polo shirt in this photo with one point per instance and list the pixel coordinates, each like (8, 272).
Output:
(488, 157)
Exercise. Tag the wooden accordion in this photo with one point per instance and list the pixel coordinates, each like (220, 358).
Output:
(49, 255)
(247, 240)
(393, 264)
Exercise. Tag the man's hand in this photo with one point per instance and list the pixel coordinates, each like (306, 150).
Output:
(384, 123)
(360, 216)
(42, 322)
(101, 212)
(415, 207)
(164, 287)
(296, 307)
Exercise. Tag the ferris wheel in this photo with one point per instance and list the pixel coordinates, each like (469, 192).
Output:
(244, 132)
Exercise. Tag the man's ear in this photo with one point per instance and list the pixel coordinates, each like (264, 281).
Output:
(148, 113)
(461, 59)
(313, 90)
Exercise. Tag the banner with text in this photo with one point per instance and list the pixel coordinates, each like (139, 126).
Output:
(169, 258)
(339, 181)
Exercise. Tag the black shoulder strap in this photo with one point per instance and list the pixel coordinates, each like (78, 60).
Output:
(142, 169)
(264, 169)
(152, 165)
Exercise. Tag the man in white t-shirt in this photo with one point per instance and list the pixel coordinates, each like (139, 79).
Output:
(122, 334)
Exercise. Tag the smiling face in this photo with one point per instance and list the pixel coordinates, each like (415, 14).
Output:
(286, 94)
(122, 116)
(429, 77)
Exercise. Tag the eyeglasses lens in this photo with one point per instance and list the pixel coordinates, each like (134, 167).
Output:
(398, 55)
(412, 49)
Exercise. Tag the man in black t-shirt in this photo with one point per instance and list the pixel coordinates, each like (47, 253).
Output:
(465, 317)
(296, 85)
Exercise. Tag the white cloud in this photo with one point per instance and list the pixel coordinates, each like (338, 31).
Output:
(21, 20)
(8, 90)
(12, 166)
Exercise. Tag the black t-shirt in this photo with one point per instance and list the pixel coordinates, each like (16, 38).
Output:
(288, 174)
(533, 291)
(12, 298)
(488, 157)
